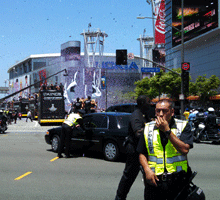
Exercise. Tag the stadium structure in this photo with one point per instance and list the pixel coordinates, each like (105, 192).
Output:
(90, 73)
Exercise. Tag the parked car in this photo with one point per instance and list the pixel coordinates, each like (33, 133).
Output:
(102, 132)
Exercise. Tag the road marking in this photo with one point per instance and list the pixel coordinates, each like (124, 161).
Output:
(4, 135)
(36, 124)
(22, 176)
(54, 159)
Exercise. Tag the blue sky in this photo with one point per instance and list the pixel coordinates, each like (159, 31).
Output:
(41, 26)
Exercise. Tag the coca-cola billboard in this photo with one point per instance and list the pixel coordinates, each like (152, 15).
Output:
(160, 25)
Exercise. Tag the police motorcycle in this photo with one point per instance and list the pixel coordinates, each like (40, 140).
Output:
(3, 127)
(197, 124)
(207, 132)
(3, 124)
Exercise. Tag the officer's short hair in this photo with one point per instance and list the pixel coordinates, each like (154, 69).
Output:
(170, 102)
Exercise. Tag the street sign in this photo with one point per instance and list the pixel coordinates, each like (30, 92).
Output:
(130, 56)
(186, 66)
(181, 97)
(150, 69)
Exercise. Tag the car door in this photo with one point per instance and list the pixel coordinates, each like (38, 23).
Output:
(98, 130)
(79, 138)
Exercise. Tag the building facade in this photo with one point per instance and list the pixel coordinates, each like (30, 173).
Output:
(105, 82)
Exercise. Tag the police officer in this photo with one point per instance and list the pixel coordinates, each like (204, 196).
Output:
(72, 122)
(210, 122)
(163, 154)
(200, 116)
(136, 127)
(3, 117)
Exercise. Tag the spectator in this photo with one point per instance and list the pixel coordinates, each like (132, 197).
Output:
(29, 116)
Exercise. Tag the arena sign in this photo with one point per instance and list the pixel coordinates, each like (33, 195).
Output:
(112, 65)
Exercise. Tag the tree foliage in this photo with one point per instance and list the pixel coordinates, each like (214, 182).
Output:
(162, 83)
(205, 87)
(169, 83)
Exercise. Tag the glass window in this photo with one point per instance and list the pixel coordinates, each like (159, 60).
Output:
(123, 121)
(99, 121)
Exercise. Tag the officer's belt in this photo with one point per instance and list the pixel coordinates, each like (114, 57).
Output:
(171, 177)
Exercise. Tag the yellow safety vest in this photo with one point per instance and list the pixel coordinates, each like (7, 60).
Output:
(171, 159)
(72, 119)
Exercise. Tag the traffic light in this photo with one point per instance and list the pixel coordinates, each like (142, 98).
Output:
(185, 79)
(121, 57)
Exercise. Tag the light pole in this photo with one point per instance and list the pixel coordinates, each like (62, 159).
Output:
(182, 56)
(182, 49)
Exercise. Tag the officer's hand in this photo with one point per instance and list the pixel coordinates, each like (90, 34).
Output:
(151, 178)
(77, 125)
(162, 124)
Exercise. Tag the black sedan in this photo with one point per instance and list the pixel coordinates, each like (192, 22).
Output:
(102, 132)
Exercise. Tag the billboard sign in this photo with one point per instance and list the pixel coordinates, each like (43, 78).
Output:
(71, 53)
(160, 25)
(159, 56)
(199, 18)
(19, 83)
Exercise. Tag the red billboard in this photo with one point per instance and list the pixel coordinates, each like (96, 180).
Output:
(160, 25)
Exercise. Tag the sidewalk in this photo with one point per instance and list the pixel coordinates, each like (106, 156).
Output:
(29, 126)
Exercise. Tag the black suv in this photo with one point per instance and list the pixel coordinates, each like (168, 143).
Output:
(102, 132)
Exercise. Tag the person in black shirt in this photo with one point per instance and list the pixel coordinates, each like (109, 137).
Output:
(93, 106)
(136, 127)
(88, 105)
(15, 115)
(210, 121)
(168, 140)
(77, 105)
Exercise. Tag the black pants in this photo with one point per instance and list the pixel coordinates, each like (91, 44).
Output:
(166, 190)
(65, 139)
(132, 168)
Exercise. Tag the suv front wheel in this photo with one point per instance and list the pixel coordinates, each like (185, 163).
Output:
(111, 151)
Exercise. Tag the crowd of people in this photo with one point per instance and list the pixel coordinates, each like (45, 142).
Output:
(55, 86)
(88, 105)
(10, 116)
